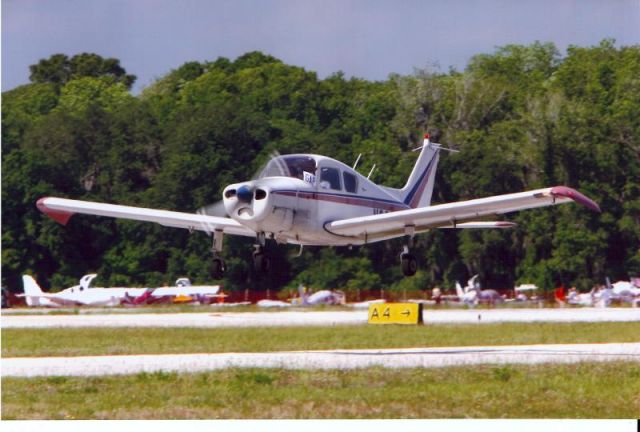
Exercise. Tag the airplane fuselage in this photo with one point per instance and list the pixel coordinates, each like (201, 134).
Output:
(295, 208)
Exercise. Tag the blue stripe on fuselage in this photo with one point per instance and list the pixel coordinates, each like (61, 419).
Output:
(415, 187)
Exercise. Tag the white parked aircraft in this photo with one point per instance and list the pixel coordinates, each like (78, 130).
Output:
(623, 290)
(468, 295)
(472, 294)
(322, 297)
(597, 297)
(308, 199)
(85, 295)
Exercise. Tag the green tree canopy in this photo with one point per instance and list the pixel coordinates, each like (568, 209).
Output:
(60, 69)
(523, 117)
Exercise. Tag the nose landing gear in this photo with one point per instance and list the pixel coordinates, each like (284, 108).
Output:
(261, 261)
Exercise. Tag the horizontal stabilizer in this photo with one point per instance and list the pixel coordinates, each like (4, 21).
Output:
(481, 225)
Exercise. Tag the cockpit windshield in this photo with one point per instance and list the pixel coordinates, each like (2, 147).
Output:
(289, 166)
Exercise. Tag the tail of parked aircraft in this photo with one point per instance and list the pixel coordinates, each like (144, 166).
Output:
(419, 188)
(459, 290)
(32, 291)
(302, 291)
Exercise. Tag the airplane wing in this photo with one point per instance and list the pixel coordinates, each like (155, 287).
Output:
(61, 210)
(455, 215)
(186, 291)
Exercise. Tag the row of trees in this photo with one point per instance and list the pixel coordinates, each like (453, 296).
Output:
(523, 117)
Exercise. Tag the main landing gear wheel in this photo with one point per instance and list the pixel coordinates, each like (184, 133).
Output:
(409, 264)
(218, 268)
(261, 262)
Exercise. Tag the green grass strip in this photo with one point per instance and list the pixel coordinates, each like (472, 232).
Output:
(113, 341)
(586, 390)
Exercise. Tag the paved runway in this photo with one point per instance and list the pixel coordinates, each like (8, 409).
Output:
(332, 359)
(313, 318)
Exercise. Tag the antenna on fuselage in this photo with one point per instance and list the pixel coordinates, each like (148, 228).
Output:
(355, 164)
(372, 169)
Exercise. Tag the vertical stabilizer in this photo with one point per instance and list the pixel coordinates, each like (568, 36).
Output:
(459, 291)
(419, 188)
(32, 291)
(302, 291)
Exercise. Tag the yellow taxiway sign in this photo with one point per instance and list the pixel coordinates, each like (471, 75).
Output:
(395, 313)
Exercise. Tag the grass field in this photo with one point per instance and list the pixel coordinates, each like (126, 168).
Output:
(103, 341)
(588, 390)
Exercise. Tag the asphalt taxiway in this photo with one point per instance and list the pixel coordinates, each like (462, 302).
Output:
(312, 318)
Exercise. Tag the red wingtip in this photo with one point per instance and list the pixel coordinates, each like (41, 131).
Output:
(62, 217)
(573, 194)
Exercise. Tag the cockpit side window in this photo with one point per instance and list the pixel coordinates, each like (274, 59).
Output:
(350, 182)
(329, 178)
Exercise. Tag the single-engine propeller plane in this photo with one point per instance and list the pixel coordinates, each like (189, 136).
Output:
(308, 199)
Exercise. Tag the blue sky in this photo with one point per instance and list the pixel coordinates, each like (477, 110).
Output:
(363, 38)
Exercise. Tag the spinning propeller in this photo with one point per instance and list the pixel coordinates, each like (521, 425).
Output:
(248, 191)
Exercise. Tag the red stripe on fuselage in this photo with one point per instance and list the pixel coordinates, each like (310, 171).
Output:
(340, 199)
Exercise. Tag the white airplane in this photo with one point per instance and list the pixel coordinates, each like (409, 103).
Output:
(467, 295)
(85, 295)
(472, 294)
(308, 199)
(623, 292)
(77, 295)
(520, 291)
(322, 297)
(597, 297)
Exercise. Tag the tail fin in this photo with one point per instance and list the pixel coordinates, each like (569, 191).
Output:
(85, 281)
(32, 291)
(609, 286)
(302, 291)
(459, 291)
(419, 188)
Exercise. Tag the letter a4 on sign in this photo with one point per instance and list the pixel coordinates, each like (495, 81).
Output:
(395, 313)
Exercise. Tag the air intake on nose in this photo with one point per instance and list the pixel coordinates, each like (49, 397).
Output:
(230, 193)
(260, 194)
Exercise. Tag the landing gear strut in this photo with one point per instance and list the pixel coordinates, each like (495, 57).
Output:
(408, 261)
(261, 261)
(218, 266)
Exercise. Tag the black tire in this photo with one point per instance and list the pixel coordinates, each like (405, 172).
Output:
(217, 268)
(261, 262)
(409, 264)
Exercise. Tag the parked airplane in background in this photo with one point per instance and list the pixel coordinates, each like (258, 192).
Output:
(85, 295)
(308, 199)
(472, 294)
(581, 299)
(623, 291)
(322, 297)
(468, 294)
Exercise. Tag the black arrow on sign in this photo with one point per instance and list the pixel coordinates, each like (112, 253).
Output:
(406, 312)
